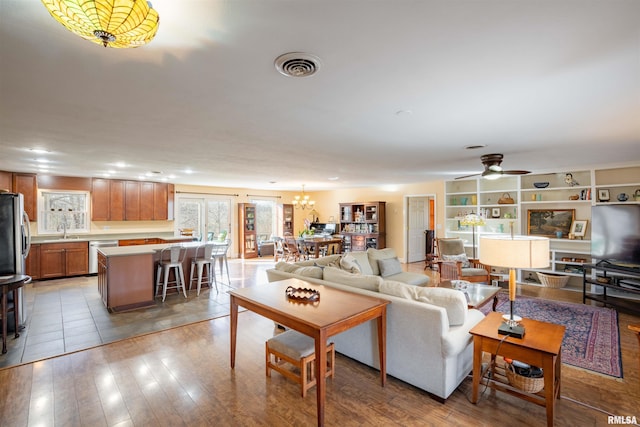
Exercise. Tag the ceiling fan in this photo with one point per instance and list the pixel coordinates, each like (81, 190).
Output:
(492, 168)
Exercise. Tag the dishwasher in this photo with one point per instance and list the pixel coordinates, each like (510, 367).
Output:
(93, 252)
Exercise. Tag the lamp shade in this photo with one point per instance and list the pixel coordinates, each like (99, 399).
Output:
(514, 251)
(112, 23)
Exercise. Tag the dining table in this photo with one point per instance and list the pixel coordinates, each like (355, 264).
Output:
(312, 245)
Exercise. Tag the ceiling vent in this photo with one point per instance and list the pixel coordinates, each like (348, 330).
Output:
(297, 64)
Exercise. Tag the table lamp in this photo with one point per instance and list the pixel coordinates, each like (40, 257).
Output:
(514, 252)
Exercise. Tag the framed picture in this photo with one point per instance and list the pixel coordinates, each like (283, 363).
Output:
(495, 212)
(603, 195)
(579, 228)
(548, 222)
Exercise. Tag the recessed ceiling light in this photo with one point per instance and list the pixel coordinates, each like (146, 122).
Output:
(110, 171)
(475, 146)
(172, 176)
(39, 150)
(188, 171)
(41, 160)
(120, 164)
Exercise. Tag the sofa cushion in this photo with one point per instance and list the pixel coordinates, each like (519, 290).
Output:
(376, 254)
(453, 301)
(350, 264)
(389, 267)
(462, 258)
(286, 267)
(315, 272)
(362, 281)
(415, 279)
(363, 261)
(474, 272)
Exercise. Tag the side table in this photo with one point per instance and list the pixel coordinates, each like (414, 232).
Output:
(540, 346)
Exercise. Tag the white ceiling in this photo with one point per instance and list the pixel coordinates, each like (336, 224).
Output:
(551, 84)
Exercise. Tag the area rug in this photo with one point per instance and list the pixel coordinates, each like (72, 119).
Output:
(592, 337)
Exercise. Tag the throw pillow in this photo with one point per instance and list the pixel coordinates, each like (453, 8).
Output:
(375, 254)
(362, 281)
(389, 267)
(349, 263)
(462, 258)
(363, 261)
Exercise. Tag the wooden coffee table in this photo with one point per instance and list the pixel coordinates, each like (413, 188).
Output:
(335, 312)
(477, 294)
(540, 346)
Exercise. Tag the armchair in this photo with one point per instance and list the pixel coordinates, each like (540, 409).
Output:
(453, 263)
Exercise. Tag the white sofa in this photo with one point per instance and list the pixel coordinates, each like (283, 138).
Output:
(428, 340)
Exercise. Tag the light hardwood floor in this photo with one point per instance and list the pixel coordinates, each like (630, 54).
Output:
(182, 377)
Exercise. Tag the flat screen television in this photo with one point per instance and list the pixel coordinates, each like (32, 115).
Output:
(615, 234)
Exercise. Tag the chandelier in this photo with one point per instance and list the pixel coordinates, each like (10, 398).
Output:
(303, 202)
(112, 23)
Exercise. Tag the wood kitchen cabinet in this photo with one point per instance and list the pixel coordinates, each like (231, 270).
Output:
(32, 263)
(132, 200)
(107, 199)
(64, 259)
(163, 199)
(118, 200)
(143, 241)
(6, 181)
(26, 184)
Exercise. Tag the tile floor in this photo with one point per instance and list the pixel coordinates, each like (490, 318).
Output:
(67, 315)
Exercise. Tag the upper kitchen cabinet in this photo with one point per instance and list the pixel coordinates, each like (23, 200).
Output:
(26, 184)
(107, 200)
(116, 200)
(132, 201)
(6, 181)
(163, 197)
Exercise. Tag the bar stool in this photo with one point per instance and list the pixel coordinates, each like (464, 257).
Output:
(201, 258)
(165, 264)
(298, 350)
(220, 254)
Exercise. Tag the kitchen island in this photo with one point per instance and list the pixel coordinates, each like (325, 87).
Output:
(126, 274)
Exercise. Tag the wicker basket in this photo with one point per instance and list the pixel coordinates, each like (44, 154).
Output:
(526, 384)
(553, 280)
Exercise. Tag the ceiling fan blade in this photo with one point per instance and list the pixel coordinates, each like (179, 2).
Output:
(515, 172)
(468, 176)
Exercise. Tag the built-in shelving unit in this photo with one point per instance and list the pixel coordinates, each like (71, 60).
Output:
(577, 192)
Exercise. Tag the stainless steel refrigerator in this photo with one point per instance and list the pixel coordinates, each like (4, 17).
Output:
(15, 240)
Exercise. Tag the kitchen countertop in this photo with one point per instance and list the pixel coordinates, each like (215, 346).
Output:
(91, 238)
(141, 249)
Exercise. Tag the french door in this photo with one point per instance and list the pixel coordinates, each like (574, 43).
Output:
(207, 216)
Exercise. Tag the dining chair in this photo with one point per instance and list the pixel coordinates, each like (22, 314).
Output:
(291, 249)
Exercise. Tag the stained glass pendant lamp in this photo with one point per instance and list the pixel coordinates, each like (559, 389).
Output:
(111, 23)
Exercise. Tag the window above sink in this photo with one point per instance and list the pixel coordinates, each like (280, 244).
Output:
(63, 212)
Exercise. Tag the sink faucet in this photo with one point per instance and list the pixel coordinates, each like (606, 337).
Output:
(63, 225)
